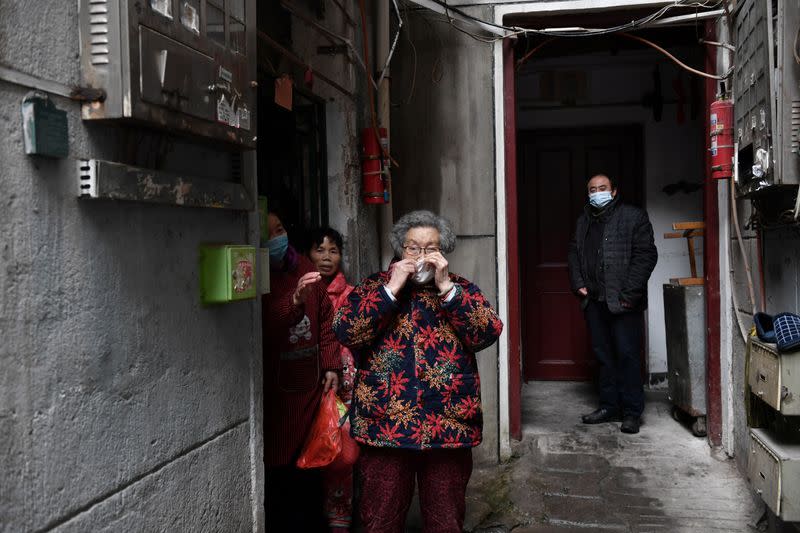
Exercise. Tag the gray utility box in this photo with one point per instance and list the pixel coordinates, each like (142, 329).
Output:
(775, 377)
(774, 470)
(182, 65)
(766, 89)
(685, 324)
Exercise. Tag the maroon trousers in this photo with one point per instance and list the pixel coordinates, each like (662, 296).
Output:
(387, 477)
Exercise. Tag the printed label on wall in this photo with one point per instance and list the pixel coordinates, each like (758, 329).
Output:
(224, 110)
(226, 74)
(244, 117)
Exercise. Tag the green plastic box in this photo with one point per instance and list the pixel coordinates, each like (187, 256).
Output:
(227, 273)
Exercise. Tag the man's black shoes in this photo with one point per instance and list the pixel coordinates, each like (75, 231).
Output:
(600, 416)
(630, 424)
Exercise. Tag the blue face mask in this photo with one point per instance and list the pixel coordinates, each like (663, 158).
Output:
(600, 199)
(277, 248)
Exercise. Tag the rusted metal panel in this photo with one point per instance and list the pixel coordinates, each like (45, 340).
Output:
(158, 68)
(114, 181)
(684, 310)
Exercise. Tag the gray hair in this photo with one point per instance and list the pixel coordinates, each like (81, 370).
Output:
(422, 219)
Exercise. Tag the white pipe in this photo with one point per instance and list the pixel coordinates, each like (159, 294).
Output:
(685, 19)
(382, 45)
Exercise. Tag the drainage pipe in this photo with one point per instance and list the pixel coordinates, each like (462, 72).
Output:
(382, 45)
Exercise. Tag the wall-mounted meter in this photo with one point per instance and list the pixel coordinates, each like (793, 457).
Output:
(183, 65)
(766, 88)
(227, 273)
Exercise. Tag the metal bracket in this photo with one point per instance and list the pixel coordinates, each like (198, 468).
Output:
(107, 180)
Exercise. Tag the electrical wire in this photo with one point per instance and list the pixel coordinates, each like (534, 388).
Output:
(535, 49)
(394, 43)
(370, 88)
(351, 50)
(678, 61)
(580, 32)
(583, 32)
(414, 71)
(727, 46)
(745, 260)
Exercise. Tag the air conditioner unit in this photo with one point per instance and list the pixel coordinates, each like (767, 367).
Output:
(766, 87)
(183, 65)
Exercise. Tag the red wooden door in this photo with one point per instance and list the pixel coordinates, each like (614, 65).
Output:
(553, 168)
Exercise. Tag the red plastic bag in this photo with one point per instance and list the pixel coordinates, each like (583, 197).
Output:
(350, 451)
(324, 441)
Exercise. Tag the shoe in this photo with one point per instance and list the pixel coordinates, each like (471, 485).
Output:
(630, 424)
(600, 416)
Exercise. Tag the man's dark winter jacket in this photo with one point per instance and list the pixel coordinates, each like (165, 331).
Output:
(628, 257)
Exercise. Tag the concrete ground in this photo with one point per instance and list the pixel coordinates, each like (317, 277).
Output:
(567, 476)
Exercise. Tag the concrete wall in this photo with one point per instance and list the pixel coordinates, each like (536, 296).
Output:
(345, 116)
(124, 405)
(442, 137)
(672, 152)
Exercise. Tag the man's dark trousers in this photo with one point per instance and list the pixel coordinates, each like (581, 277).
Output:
(617, 345)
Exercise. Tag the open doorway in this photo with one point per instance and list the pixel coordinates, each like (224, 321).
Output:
(612, 105)
(552, 171)
(292, 160)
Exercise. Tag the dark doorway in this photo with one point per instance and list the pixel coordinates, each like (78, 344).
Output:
(292, 171)
(553, 168)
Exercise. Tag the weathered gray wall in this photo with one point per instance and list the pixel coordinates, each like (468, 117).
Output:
(443, 138)
(345, 116)
(124, 405)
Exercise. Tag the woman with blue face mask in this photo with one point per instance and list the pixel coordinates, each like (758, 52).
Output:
(301, 361)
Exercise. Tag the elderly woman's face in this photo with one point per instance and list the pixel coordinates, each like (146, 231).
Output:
(420, 241)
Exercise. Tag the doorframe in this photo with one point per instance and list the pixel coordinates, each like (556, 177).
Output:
(635, 193)
(510, 370)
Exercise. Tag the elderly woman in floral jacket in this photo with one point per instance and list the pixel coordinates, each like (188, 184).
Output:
(416, 411)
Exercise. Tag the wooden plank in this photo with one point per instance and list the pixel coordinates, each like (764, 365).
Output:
(688, 225)
(687, 282)
(682, 234)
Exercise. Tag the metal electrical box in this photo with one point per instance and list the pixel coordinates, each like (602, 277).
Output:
(774, 470)
(775, 377)
(227, 273)
(766, 87)
(684, 317)
(183, 65)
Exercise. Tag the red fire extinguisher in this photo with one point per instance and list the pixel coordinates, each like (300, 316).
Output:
(721, 138)
(374, 168)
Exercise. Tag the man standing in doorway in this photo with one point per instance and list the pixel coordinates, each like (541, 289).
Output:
(611, 258)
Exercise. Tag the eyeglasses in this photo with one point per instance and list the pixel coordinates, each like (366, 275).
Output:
(414, 250)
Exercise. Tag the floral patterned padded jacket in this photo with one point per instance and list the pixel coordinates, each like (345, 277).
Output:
(417, 386)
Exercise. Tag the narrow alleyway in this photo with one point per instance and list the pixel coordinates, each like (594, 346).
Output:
(566, 476)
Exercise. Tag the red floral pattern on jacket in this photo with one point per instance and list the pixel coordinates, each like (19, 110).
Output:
(417, 386)
(338, 291)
